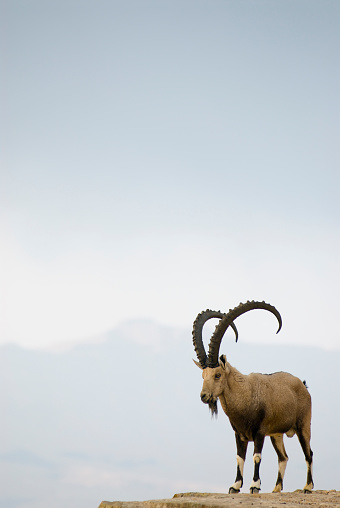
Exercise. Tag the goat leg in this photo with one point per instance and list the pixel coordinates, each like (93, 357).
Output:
(241, 447)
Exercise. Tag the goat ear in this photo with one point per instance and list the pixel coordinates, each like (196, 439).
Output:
(223, 361)
(198, 364)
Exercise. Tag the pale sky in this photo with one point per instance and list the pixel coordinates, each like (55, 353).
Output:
(162, 157)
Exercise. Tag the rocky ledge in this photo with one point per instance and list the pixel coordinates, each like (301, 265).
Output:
(324, 498)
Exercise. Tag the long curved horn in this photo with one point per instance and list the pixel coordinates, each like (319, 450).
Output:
(199, 322)
(215, 341)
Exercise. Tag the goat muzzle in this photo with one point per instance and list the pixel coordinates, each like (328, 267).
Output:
(205, 397)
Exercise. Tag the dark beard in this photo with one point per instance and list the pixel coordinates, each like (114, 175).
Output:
(213, 407)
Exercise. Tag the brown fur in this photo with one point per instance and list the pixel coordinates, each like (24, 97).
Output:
(260, 405)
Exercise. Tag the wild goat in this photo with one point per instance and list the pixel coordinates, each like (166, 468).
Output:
(257, 405)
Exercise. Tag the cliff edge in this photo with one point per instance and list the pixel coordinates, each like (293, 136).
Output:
(324, 498)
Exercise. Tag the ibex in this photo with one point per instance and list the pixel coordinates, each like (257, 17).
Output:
(257, 405)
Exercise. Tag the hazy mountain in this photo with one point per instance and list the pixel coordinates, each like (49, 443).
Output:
(122, 419)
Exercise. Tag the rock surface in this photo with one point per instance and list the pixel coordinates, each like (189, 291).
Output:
(319, 498)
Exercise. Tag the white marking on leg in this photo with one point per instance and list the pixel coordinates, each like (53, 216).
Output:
(309, 486)
(257, 458)
(237, 485)
(240, 463)
(310, 467)
(282, 468)
(256, 485)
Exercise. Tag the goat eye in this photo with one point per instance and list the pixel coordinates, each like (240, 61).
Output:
(218, 375)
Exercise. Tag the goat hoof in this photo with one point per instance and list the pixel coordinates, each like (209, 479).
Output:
(306, 491)
(233, 491)
(254, 490)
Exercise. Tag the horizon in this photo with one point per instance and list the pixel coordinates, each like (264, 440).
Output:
(146, 332)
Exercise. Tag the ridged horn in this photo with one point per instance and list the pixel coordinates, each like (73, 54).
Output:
(216, 338)
(197, 339)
